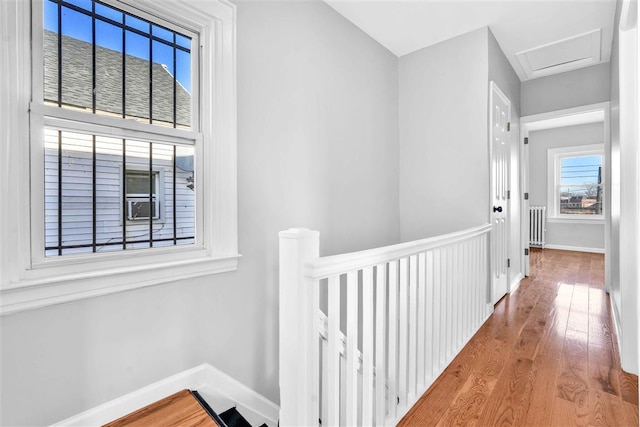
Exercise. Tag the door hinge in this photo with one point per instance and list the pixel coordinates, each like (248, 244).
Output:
(508, 262)
(508, 194)
(526, 251)
(526, 196)
(508, 126)
(526, 140)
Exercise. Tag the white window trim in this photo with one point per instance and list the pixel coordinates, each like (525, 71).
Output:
(554, 156)
(25, 285)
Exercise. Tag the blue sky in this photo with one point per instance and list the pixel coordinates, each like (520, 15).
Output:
(78, 25)
(580, 170)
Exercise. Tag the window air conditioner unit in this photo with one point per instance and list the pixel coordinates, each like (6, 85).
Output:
(138, 209)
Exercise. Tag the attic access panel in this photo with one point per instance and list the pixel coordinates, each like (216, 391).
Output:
(565, 55)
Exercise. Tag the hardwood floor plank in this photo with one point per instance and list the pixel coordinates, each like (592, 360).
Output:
(628, 387)
(506, 402)
(608, 410)
(179, 409)
(548, 355)
(602, 370)
(544, 377)
(566, 414)
(434, 403)
(467, 404)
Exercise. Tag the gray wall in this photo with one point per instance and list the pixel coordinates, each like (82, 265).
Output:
(502, 73)
(444, 171)
(317, 147)
(585, 86)
(589, 236)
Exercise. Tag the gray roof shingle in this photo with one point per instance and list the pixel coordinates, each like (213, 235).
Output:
(77, 81)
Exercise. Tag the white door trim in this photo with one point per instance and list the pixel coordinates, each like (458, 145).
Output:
(629, 298)
(593, 113)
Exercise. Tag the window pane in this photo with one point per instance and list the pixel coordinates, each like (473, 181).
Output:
(162, 232)
(108, 198)
(51, 183)
(77, 68)
(185, 195)
(108, 68)
(581, 185)
(581, 170)
(50, 16)
(183, 41)
(163, 84)
(108, 12)
(137, 23)
(139, 182)
(68, 193)
(581, 200)
(83, 4)
(162, 33)
(183, 89)
(137, 76)
(138, 234)
(156, 74)
(50, 51)
(87, 210)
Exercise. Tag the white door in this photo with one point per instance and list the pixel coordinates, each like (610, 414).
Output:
(499, 146)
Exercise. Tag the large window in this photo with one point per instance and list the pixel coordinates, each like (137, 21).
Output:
(576, 187)
(99, 59)
(122, 134)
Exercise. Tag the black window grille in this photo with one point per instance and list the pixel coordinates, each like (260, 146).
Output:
(111, 194)
(102, 59)
(104, 193)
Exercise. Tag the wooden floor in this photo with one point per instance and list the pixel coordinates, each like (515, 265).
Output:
(548, 356)
(181, 409)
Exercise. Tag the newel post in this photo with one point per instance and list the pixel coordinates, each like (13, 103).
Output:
(299, 359)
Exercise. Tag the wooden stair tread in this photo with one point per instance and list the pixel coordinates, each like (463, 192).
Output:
(180, 409)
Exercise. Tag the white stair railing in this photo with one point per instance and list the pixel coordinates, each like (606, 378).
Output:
(363, 335)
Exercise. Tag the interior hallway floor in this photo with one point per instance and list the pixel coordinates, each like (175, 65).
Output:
(547, 356)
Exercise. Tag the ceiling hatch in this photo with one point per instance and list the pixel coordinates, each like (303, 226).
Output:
(565, 55)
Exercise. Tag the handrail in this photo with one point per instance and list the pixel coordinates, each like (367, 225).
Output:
(321, 268)
(418, 304)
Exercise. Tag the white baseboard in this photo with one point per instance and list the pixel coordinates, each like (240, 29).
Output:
(205, 378)
(575, 248)
(515, 283)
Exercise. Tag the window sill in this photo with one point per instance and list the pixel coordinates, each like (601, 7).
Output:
(575, 220)
(28, 294)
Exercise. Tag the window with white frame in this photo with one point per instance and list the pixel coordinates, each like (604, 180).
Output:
(575, 182)
(122, 146)
(103, 60)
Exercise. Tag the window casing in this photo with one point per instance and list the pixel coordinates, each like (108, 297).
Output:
(576, 183)
(31, 279)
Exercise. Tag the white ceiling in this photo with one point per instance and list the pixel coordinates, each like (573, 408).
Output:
(404, 26)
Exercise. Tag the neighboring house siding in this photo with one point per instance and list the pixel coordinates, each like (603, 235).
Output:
(77, 200)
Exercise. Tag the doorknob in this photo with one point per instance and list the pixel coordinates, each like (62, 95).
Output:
(497, 209)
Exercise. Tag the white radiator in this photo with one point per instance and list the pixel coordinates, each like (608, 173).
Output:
(537, 225)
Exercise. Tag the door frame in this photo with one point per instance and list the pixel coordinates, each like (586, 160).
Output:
(593, 113)
(494, 89)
